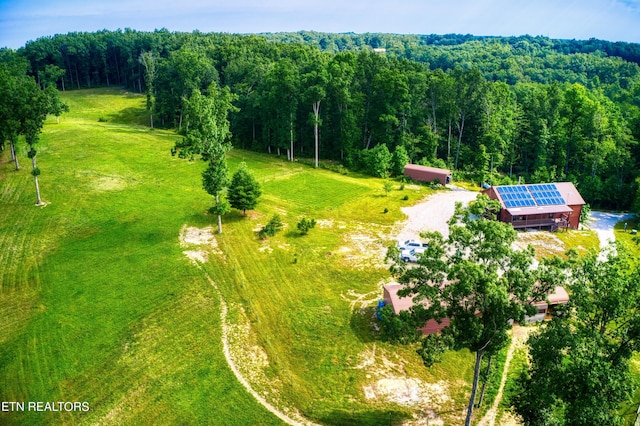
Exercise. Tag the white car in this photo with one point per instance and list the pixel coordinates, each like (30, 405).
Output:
(416, 245)
(409, 255)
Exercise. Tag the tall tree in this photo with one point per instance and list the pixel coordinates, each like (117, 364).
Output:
(214, 180)
(579, 370)
(244, 190)
(148, 60)
(315, 81)
(470, 88)
(280, 105)
(477, 280)
(39, 105)
(208, 136)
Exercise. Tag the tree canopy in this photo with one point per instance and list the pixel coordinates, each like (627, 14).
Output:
(476, 279)
(579, 370)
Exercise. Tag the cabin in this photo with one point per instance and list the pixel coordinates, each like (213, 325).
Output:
(427, 174)
(545, 308)
(544, 205)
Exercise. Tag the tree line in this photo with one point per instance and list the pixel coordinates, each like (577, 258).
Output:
(24, 106)
(495, 109)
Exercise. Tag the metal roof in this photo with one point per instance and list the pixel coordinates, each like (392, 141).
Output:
(540, 198)
(526, 211)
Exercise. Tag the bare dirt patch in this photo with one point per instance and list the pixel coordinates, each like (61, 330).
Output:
(390, 383)
(411, 392)
(200, 242)
(544, 242)
(109, 183)
(365, 248)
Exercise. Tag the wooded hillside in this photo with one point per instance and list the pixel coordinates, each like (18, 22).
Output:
(493, 108)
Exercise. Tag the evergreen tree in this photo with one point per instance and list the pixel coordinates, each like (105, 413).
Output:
(244, 190)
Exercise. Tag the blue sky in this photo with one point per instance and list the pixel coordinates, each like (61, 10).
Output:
(614, 20)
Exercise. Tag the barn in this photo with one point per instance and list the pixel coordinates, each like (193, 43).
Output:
(544, 205)
(545, 309)
(427, 174)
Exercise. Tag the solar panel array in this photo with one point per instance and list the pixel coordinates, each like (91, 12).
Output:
(545, 194)
(516, 196)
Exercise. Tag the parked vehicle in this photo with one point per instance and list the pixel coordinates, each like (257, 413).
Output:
(416, 245)
(409, 255)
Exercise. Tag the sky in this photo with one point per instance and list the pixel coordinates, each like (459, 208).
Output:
(612, 20)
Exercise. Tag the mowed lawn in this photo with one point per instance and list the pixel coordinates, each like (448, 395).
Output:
(98, 302)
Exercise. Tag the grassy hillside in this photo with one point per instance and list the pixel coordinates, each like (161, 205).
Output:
(99, 303)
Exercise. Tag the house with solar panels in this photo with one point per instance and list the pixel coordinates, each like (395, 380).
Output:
(543, 205)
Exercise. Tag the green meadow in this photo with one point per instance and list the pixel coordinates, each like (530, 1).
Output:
(101, 302)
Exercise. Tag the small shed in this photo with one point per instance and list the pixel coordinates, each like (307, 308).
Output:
(427, 174)
(546, 308)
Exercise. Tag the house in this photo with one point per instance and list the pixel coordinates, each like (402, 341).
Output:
(427, 174)
(544, 205)
(390, 296)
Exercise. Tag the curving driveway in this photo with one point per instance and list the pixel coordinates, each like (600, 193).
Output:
(603, 223)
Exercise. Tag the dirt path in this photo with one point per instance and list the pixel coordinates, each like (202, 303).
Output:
(518, 338)
(227, 354)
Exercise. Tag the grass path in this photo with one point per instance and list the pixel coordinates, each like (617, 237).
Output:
(518, 338)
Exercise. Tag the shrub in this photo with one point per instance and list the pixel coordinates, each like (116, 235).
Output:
(271, 228)
(305, 225)
(387, 187)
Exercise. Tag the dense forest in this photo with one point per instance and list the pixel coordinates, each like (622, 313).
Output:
(494, 109)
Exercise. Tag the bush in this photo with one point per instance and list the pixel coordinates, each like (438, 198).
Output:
(387, 186)
(305, 225)
(405, 198)
(401, 328)
(271, 228)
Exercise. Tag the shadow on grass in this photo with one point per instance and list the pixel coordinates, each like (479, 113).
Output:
(293, 233)
(365, 324)
(130, 116)
(372, 417)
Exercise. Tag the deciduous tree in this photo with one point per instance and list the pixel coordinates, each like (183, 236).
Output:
(579, 369)
(477, 280)
(207, 136)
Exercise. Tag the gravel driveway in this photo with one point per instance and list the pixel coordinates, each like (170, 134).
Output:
(603, 223)
(433, 213)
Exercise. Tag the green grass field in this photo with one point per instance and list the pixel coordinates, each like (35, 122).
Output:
(99, 304)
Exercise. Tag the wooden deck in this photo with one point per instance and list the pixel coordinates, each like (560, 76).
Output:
(552, 224)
